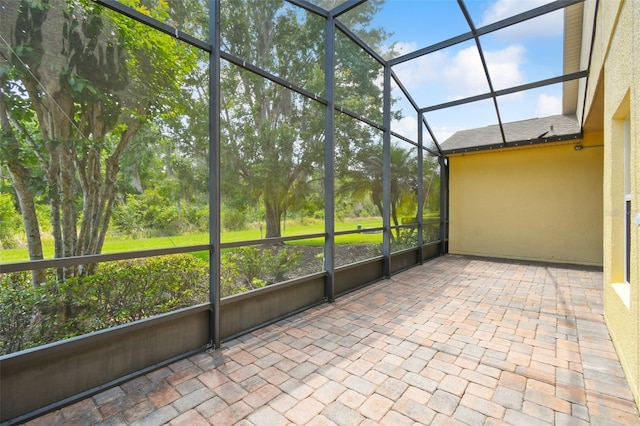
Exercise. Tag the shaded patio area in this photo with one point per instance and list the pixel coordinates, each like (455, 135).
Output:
(458, 340)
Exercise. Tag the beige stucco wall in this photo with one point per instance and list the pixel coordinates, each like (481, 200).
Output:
(542, 202)
(616, 66)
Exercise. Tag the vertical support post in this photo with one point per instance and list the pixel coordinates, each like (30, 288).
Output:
(444, 205)
(329, 159)
(386, 172)
(420, 189)
(214, 173)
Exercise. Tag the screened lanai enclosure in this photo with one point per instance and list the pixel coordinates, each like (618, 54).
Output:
(174, 174)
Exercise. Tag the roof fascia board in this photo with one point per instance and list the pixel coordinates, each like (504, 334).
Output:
(513, 144)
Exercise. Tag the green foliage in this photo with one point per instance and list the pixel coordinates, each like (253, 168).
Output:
(248, 268)
(233, 219)
(154, 213)
(25, 312)
(120, 292)
(10, 222)
(16, 304)
(431, 232)
(149, 210)
(404, 239)
(130, 290)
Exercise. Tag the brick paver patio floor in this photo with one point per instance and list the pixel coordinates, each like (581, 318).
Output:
(458, 340)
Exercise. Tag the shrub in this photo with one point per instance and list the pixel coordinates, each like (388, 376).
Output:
(130, 290)
(147, 213)
(25, 313)
(431, 232)
(10, 222)
(248, 268)
(404, 239)
(118, 293)
(233, 219)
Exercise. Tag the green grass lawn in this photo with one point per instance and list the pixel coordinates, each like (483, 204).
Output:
(124, 245)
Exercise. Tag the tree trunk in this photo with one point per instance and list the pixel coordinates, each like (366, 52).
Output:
(20, 177)
(273, 215)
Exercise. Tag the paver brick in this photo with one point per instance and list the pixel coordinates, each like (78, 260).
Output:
(230, 392)
(231, 415)
(267, 416)
(393, 418)
(190, 418)
(359, 385)
(274, 376)
(414, 410)
(508, 398)
(420, 381)
(193, 399)
(548, 400)
(304, 411)
(453, 384)
(163, 396)
(108, 395)
(375, 407)
(470, 416)
(488, 408)
(538, 411)
(479, 378)
(515, 417)
(342, 414)
(211, 406)
(444, 402)
(157, 417)
(138, 411)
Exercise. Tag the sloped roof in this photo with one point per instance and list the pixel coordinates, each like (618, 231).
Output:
(536, 130)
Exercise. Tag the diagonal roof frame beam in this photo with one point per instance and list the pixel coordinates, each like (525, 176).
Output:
(521, 17)
(433, 136)
(540, 83)
(155, 24)
(476, 38)
(357, 40)
(345, 7)
(405, 92)
(414, 104)
(310, 7)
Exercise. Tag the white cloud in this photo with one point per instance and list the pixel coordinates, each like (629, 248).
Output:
(403, 48)
(548, 105)
(443, 133)
(420, 70)
(547, 25)
(407, 127)
(504, 66)
(462, 75)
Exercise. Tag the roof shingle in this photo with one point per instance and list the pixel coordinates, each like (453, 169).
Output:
(534, 129)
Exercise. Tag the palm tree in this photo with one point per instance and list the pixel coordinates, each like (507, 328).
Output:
(365, 178)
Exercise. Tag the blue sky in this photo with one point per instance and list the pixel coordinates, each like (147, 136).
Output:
(516, 55)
